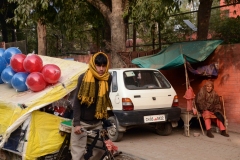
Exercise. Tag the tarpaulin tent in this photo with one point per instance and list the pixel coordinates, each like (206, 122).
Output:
(173, 56)
(42, 134)
(177, 55)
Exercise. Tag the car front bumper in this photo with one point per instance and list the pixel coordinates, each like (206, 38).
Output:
(136, 117)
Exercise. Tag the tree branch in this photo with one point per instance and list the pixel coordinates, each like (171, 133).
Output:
(102, 8)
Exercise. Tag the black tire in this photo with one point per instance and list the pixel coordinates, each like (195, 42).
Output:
(113, 133)
(164, 129)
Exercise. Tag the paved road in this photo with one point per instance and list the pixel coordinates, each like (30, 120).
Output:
(144, 144)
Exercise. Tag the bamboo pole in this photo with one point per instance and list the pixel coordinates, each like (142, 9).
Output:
(187, 87)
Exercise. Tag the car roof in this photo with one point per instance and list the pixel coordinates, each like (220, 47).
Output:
(124, 69)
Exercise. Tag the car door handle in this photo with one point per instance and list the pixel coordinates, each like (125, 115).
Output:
(137, 96)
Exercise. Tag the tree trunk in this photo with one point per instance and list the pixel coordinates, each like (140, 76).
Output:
(204, 14)
(4, 29)
(114, 16)
(42, 42)
(117, 33)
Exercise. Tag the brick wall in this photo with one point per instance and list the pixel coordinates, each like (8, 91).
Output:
(227, 83)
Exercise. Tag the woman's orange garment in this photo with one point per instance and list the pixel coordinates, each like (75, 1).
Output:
(210, 117)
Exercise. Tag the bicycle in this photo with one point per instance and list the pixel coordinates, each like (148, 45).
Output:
(95, 135)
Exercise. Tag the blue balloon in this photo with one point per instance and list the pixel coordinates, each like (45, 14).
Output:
(8, 53)
(7, 74)
(2, 52)
(3, 65)
(19, 81)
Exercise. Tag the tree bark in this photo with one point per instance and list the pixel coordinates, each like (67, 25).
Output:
(204, 13)
(117, 33)
(114, 17)
(42, 42)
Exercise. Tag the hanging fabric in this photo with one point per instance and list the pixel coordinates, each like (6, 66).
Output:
(208, 70)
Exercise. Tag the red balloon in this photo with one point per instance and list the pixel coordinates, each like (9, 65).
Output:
(16, 62)
(51, 73)
(33, 63)
(35, 82)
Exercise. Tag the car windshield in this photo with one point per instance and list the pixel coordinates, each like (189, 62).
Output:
(144, 79)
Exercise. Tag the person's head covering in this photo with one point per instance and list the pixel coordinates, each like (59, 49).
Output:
(87, 89)
(208, 82)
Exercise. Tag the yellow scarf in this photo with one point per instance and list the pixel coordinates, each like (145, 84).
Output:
(87, 89)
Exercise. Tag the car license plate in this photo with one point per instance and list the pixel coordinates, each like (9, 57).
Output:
(154, 118)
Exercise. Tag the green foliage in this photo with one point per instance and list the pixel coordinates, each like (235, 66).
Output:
(31, 39)
(228, 29)
(151, 11)
(69, 19)
(171, 34)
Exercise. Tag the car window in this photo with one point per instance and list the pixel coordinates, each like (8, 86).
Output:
(144, 79)
(114, 81)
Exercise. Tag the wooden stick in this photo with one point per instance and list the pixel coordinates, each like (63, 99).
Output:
(224, 114)
(198, 118)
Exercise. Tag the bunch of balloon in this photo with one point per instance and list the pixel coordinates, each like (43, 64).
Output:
(25, 72)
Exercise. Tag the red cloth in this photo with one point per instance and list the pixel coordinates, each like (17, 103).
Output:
(110, 146)
(189, 95)
(59, 110)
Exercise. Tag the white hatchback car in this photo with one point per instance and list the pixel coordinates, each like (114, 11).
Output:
(142, 96)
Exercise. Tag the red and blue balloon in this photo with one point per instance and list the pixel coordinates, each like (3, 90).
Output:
(26, 72)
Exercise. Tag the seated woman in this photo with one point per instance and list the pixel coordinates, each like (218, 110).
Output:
(208, 104)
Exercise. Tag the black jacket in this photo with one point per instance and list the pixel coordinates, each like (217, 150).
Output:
(81, 112)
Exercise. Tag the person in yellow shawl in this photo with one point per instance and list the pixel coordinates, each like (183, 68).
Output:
(90, 103)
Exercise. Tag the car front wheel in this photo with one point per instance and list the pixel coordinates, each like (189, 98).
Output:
(164, 129)
(113, 132)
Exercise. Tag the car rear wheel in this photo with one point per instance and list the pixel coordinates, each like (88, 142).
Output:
(113, 133)
(164, 129)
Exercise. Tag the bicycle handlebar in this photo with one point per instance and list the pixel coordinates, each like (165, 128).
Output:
(94, 131)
